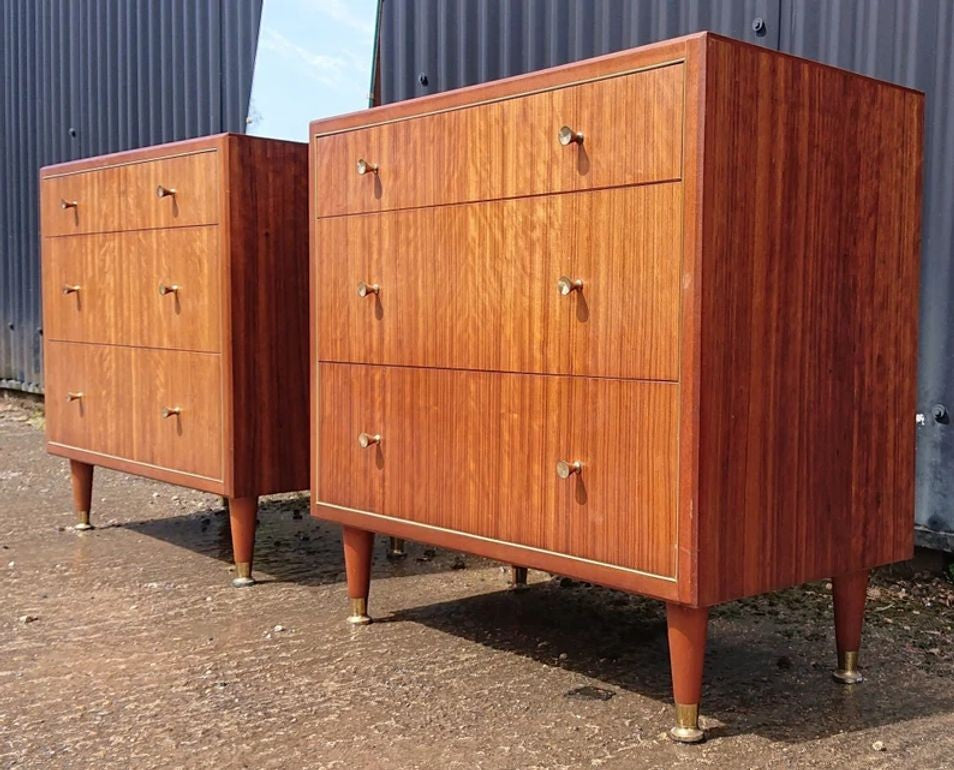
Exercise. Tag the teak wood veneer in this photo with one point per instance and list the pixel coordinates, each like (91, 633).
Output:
(175, 319)
(648, 320)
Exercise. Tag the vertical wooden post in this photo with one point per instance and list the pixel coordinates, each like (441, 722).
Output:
(687, 650)
(358, 548)
(518, 577)
(81, 476)
(849, 593)
(243, 515)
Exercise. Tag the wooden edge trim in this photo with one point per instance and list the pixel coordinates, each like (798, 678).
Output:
(317, 134)
(636, 581)
(122, 159)
(225, 190)
(690, 321)
(157, 472)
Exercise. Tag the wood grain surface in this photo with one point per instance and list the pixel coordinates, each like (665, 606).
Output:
(123, 393)
(476, 452)
(782, 314)
(475, 286)
(229, 348)
(809, 322)
(118, 301)
(268, 314)
(510, 148)
(123, 196)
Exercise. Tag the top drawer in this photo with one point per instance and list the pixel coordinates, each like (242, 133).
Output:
(629, 129)
(167, 192)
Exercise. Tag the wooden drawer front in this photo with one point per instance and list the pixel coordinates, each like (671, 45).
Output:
(195, 178)
(477, 452)
(475, 286)
(110, 399)
(106, 288)
(191, 440)
(125, 197)
(632, 133)
(89, 402)
(87, 202)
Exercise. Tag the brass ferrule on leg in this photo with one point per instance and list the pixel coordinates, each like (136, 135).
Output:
(82, 521)
(243, 574)
(518, 578)
(396, 548)
(687, 724)
(847, 671)
(359, 613)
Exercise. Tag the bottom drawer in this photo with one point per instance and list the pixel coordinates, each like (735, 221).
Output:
(478, 453)
(158, 407)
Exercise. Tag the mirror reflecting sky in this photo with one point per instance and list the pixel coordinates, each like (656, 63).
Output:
(313, 60)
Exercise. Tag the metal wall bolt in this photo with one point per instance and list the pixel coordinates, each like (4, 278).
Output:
(940, 414)
(422, 78)
(758, 25)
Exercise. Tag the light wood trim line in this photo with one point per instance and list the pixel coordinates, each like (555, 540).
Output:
(508, 97)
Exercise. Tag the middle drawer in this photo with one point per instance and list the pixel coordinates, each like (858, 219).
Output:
(492, 286)
(149, 288)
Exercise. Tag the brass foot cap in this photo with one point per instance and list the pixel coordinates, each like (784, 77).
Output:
(243, 575)
(82, 526)
(687, 724)
(359, 613)
(847, 671)
(687, 734)
(397, 555)
(847, 677)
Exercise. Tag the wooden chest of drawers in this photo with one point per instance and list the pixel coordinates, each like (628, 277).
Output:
(647, 320)
(175, 319)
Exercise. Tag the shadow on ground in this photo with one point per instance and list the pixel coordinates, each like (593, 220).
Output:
(290, 545)
(754, 681)
(761, 676)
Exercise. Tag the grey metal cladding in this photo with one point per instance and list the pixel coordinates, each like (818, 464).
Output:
(455, 43)
(87, 77)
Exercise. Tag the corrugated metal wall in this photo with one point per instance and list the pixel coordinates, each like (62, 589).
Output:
(87, 77)
(427, 46)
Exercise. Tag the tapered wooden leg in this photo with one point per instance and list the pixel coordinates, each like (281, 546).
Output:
(396, 548)
(518, 577)
(849, 592)
(243, 513)
(81, 476)
(687, 649)
(358, 547)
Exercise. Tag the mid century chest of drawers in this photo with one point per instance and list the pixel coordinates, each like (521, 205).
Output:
(647, 320)
(175, 319)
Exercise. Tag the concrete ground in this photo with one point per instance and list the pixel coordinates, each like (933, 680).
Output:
(126, 647)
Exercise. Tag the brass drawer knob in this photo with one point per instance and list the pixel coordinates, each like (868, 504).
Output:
(568, 136)
(171, 288)
(566, 469)
(364, 289)
(567, 285)
(169, 411)
(162, 192)
(65, 204)
(367, 439)
(71, 288)
(365, 167)
(74, 395)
